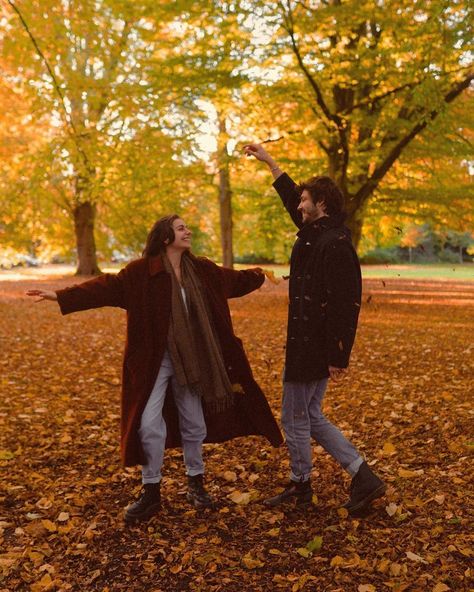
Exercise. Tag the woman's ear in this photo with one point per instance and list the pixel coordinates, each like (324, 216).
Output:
(166, 241)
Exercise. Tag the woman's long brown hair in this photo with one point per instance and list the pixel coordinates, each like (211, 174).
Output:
(160, 235)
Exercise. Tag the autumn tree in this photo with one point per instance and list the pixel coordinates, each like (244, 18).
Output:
(90, 63)
(372, 77)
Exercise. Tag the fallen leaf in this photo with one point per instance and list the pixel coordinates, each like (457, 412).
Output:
(415, 557)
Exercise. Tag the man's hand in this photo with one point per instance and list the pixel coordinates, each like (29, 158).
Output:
(337, 373)
(42, 295)
(258, 151)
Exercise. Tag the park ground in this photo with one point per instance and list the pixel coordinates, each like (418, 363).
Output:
(407, 405)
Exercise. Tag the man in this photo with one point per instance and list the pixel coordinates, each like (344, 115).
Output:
(325, 296)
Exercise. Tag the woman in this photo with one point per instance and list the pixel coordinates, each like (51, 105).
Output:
(186, 378)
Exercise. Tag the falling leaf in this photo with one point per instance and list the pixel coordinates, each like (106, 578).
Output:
(271, 276)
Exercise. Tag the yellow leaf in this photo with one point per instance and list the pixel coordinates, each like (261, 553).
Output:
(343, 512)
(407, 474)
(49, 525)
(441, 588)
(251, 562)
(366, 588)
(388, 448)
(239, 497)
(44, 584)
(271, 276)
(303, 551)
(274, 532)
(63, 517)
(229, 476)
(336, 561)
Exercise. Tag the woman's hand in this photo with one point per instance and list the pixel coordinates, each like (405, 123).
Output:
(42, 295)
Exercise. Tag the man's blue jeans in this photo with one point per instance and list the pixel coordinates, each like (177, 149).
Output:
(303, 419)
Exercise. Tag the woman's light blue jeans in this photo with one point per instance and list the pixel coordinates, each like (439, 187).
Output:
(152, 430)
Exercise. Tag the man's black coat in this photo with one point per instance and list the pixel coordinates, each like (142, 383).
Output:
(325, 293)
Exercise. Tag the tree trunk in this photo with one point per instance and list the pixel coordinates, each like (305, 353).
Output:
(84, 217)
(354, 222)
(225, 208)
(460, 255)
(225, 196)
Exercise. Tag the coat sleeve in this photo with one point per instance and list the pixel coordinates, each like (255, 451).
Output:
(105, 290)
(234, 282)
(286, 189)
(238, 283)
(343, 281)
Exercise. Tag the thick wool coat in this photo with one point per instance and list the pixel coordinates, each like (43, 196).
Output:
(324, 293)
(143, 289)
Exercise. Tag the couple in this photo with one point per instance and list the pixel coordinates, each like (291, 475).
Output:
(186, 378)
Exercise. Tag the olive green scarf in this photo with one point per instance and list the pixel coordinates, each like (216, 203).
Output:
(192, 341)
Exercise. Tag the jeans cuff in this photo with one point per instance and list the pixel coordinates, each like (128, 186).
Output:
(151, 479)
(300, 478)
(354, 466)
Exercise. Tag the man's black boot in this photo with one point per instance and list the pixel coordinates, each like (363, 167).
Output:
(147, 505)
(196, 493)
(296, 490)
(365, 487)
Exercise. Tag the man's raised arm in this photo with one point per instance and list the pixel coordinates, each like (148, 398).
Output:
(283, 183)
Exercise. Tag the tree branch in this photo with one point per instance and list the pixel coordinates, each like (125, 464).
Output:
(367, 189)
(67, 115)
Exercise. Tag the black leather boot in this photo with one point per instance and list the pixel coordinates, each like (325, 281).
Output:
(147, 505)
(301, 492)
(365, 487)
(196, 493)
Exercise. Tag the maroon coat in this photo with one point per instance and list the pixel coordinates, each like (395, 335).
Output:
(143, 289)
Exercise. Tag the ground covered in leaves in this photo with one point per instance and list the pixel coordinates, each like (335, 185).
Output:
(407, 404)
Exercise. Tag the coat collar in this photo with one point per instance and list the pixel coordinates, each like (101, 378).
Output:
(320, 225)
(155, 265)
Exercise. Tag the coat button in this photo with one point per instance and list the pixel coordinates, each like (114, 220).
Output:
(307, 297)
(305, 318)
(295, 318)
(305, 338)
(308, 277)
(292, 338)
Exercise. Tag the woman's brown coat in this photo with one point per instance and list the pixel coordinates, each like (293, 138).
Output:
(143, 289)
